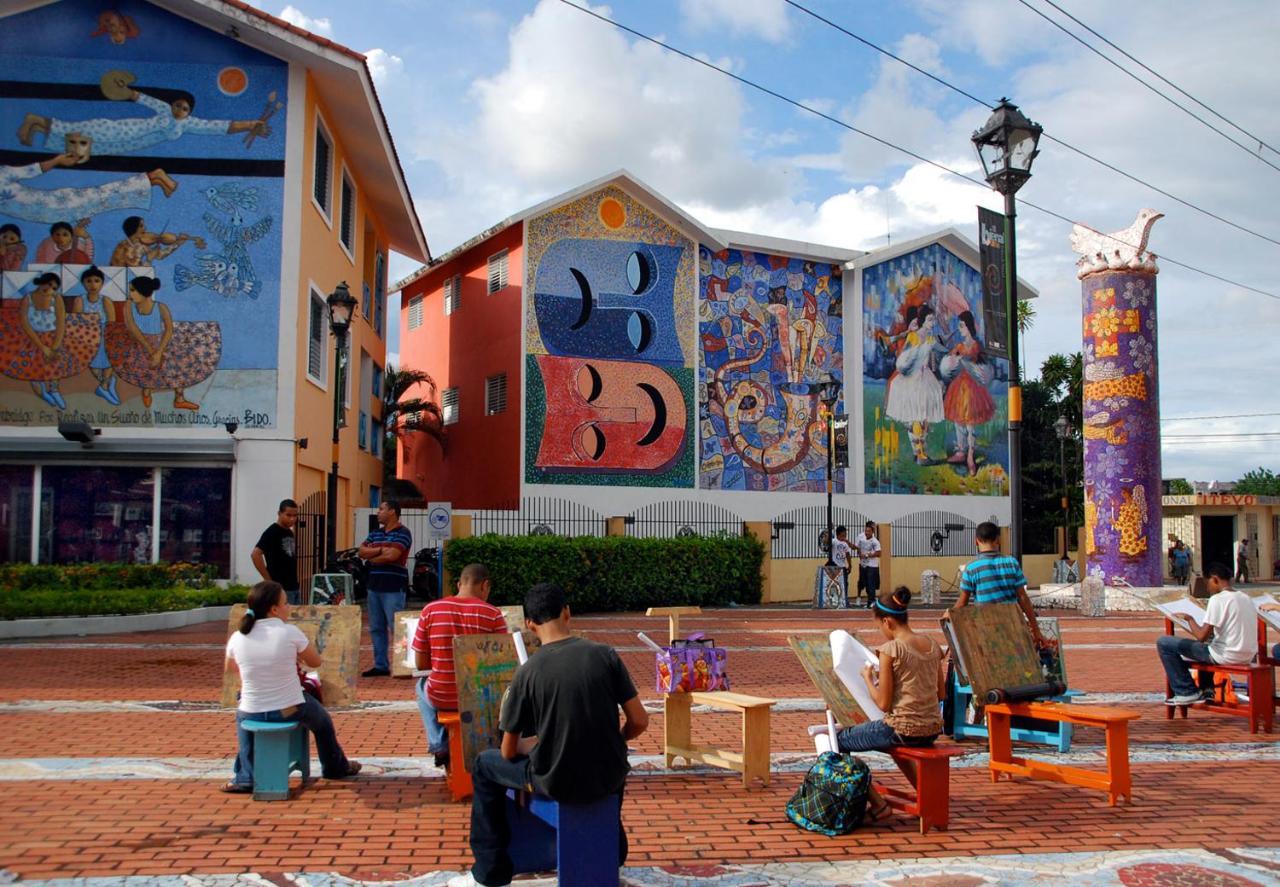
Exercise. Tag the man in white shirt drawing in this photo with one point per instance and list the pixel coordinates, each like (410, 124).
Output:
(1231, 620)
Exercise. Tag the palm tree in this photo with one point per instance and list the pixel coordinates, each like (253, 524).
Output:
(1026, 317)
(403, 415)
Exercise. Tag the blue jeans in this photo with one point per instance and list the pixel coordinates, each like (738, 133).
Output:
(437, 736)
(877, 736)
(491, 776)
(1174, 652)
(294, 597)
(382, 615)
(312, 715)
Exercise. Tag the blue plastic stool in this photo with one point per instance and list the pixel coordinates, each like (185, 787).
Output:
(961, 729)
(279, 748)
(578, 841)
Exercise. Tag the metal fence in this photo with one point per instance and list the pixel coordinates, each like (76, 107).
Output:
(683, 518)
(539, 516)
(939, 533)
(796, 533)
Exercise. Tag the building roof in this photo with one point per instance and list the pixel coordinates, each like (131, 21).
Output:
(342, 77)
(801, 249)
(950, 238)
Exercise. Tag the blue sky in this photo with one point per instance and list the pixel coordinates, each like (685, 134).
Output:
(495, 106)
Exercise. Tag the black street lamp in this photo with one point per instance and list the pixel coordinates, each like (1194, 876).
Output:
(342, 306)
(1006, 145)
(829, 394)
(1063, 429)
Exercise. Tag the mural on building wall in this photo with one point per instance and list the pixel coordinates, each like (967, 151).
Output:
(609, 365)
(935, 402)
(771, 328)
(141, 181)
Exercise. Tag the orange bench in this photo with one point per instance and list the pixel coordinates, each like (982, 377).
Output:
(1260, 709)
(928, 769)
(1115, 781)
(456, 775)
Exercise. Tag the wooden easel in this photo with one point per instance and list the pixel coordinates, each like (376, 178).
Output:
(673, 615)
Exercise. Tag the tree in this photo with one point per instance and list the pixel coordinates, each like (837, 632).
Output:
(1026, 318)
(1260, 482)
(1180, 486)
(1057, 393)
(403, 415)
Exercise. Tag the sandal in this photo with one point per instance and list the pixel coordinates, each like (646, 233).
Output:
(236, 788)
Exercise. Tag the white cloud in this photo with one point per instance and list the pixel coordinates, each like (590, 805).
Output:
(383, 66)
(766, 19)
(295, 16)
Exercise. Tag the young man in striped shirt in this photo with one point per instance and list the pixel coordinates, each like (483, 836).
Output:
(995, 578)
(386, 551)
(467, 613)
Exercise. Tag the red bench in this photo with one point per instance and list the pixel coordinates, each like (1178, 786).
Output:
(1260, 709)
(928, 769)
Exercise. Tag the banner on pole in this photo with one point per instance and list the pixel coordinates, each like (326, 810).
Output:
(995, 302)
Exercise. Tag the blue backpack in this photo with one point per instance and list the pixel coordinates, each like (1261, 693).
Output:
(833, 797)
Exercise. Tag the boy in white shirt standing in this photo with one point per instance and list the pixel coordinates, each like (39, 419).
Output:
(1231, 621)
(868, 563)
(841, 551)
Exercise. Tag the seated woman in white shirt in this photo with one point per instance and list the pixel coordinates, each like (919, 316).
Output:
(266, 651)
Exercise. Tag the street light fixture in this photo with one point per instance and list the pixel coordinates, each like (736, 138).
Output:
(1063, 429)
(829, 394)
(1007, 145)
(342, 306)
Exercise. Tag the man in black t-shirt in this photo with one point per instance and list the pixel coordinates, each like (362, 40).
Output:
(275, 555)
(567, 695)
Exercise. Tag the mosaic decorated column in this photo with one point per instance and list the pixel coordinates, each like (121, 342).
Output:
(1123, 542)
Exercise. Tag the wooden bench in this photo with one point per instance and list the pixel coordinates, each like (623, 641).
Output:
(456, 775)
(279, 748)
(1260, 677)
(928, 769)
(1115, 781)
(752, 762)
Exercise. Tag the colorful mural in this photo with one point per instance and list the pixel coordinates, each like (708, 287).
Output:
(141, 182)
(771, 328)
(935, 402)
(609, 375)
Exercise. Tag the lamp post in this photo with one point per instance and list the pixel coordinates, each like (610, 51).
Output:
(1006, 145)
(829, 393)
(341, 306)
(1063, 429)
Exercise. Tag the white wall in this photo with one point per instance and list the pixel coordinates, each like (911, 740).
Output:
(261, 477)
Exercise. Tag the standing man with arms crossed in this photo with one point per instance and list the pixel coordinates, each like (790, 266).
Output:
(275, 555)
(868, 563)
(568, 695)
(387, 552)
(467, 613)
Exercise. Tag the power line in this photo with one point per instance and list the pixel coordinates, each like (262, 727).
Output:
(1148, 69)
(1225, 416)
(886, 143)
(1252, 435)
(1057, 141)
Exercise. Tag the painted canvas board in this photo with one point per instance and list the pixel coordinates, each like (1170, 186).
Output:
(514, 616)
(1053, 660)
(814, 653)
(402, 655)
(335, 634)
(849, 656)
(1271, 617)
(484, 665)
(996, 646)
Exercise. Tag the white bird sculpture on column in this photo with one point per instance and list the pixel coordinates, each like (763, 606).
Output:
(1126, 248)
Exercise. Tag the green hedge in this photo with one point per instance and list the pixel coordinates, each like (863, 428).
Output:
(618, 572)
(104, 577)
(51, 602)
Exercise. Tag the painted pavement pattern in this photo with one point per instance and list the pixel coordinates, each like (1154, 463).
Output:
(114, 746)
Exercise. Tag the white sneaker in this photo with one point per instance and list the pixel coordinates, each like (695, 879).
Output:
(468, 880)
(1188, 699)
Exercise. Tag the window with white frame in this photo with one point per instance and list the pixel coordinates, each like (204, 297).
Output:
(452, 294)
(322, 172)
(317, 332)
(449, 405)
(497, 272)
(347, 214)
(415, 311)
(495, 394)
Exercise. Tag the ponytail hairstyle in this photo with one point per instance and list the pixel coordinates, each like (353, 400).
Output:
(262, 597)
(894, 604)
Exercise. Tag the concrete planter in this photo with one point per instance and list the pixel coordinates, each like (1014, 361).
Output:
(86, 625)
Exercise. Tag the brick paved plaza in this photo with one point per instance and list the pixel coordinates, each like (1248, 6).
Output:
(114, 750)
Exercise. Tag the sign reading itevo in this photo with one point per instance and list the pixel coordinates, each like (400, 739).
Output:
(439, 521)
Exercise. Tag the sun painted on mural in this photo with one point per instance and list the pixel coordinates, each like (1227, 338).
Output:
(935, 401)
(609, 386)
(771, 329)
(139, 197)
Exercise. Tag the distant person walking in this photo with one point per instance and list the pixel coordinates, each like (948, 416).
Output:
(1180, 557)
(387, 552)
(275, 555)
(1242, 562)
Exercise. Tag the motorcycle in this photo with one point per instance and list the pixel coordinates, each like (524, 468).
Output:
(424, 583)
(346, 561)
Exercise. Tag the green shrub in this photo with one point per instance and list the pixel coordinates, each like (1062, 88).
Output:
(617, 572)
(47, 603)
(103, 577)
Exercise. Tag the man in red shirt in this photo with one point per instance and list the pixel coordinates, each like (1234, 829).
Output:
(467, 613)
